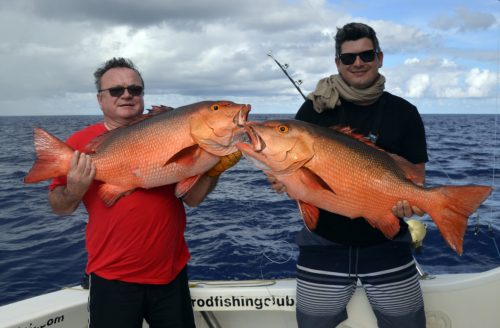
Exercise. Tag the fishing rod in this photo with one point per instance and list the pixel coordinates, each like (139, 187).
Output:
(284, 68)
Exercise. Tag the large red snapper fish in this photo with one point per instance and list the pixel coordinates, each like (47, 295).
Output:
(169, 146)
(336, 171)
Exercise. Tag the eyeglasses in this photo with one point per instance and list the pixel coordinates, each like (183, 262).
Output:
(366, 56)
(133, 90)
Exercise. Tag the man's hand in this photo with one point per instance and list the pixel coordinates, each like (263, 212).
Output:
(65, 199)
(225, 163)
(80, 175)
(275, 184)
(402, 209)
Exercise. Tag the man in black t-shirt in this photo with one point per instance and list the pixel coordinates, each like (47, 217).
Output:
(342, 250)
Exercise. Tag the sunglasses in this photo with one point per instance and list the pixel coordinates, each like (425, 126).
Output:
(133, 90)
(366, 56)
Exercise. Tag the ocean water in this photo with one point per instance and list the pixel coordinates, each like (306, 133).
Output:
(243, 230)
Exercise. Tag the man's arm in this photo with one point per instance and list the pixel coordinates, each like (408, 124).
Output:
(208, 181)
(65, 199)
(200, 190)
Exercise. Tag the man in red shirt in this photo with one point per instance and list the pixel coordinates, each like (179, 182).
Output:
(137, 254)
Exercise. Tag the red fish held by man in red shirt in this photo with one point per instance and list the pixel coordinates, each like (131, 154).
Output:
(166, 147)
(336, 171)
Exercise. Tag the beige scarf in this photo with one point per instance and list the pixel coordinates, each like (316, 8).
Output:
(329, 90)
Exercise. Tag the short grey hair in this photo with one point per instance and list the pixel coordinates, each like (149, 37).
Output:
(114, 63)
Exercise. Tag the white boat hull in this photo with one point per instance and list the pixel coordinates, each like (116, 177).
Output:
(451, 300)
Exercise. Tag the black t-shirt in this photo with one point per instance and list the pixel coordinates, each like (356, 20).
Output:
(399, 130)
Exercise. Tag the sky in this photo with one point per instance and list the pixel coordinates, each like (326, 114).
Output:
(442, 56)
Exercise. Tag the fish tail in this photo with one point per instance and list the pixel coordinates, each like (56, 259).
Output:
(451, 213)
(52, 157)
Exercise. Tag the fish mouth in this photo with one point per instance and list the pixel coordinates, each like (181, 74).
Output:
(242, 117)
(257, 142)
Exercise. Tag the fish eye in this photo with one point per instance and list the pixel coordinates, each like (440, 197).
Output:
(282, 128)
(214, 107)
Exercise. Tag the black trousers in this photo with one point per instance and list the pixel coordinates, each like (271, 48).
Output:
(120, 304)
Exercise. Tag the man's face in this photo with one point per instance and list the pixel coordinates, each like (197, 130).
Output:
(118, 110)
(359, 74)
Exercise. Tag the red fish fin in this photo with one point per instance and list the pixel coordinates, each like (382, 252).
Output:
(451, 212)
(411, 171)
(182, 187)
(313, 181)
(388, 224)
(94, 144)
(348, 131)
(186, 156)
(111, 193)
(309, 213)
(52, 157)
(155, 110)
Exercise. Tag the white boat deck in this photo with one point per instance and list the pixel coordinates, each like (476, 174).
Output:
(453, 300)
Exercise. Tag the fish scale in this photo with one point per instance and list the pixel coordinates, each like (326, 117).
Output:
(336, 171)
(174, 146)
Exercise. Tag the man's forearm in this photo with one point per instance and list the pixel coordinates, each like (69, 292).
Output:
(62, 201)
(200, 190)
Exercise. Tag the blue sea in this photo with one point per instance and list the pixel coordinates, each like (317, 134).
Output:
(243, 230)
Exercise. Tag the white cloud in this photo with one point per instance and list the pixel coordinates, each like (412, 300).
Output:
(465, 19)
(396, 38)
(411, 61)
(480, 82)
(474, 83)
(417, 85)
(193, 50)
(448, 63)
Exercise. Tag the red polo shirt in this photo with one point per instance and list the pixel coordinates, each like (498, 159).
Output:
(140, 239)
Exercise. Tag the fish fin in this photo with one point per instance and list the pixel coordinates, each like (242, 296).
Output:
(314, 181)
(94, 144)
(348, 131)
(451, 212)
(388, 224)
(155, 110)
(410, 170)
(182, 187)
(309, 213)
(185, 156)
(53, 157)
(111, 193)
